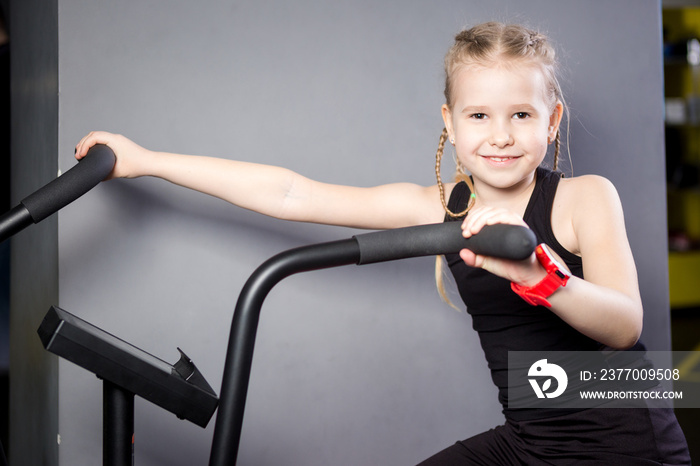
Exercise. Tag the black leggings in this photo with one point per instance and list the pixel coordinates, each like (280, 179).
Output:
(628, 436)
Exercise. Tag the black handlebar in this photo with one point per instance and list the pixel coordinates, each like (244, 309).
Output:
(60, 192)
(504, 241)
(72, 184)
(507, 241)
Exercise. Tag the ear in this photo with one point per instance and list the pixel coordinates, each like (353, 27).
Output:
(447, 118)
(555, 119)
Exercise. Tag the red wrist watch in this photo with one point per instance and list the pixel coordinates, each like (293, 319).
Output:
(557, 276)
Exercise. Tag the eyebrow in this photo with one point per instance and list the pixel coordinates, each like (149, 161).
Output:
(474, 109)
(528, 107)
(483, 109)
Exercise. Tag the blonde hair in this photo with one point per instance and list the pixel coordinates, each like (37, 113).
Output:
(491, 44)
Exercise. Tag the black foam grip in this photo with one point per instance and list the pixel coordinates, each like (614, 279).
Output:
(93, 168)
(505, 241)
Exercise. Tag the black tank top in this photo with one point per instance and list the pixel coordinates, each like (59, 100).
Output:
(503, 320)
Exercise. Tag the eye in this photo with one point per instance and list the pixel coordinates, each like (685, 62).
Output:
(521, 115)
(478, 116)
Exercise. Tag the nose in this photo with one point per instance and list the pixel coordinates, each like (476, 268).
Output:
(501, 135)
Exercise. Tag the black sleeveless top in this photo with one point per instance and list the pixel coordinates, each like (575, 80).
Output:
(504, 321)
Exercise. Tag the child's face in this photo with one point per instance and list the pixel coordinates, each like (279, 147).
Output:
(501, 121)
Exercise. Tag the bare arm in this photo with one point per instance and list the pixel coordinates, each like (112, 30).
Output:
(606, 305)
(276, 191)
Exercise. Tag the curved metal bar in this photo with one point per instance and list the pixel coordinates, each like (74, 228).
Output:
(239, 356)
(509, 241)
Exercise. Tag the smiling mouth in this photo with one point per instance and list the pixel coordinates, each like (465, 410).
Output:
(501, 158)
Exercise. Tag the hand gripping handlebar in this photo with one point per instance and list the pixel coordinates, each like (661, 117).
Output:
(60, 192)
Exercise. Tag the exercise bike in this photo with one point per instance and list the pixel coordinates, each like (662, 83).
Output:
(180, 388)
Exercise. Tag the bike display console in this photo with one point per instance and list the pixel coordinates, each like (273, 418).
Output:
(179, 388)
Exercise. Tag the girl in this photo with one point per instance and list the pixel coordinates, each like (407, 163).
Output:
(503, 108)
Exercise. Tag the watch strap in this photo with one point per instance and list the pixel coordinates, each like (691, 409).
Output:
(556, 277)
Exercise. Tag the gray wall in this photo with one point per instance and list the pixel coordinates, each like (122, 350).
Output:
(353, 365)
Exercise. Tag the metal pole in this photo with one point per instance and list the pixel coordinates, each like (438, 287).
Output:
(117, 425)
(239, 356)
